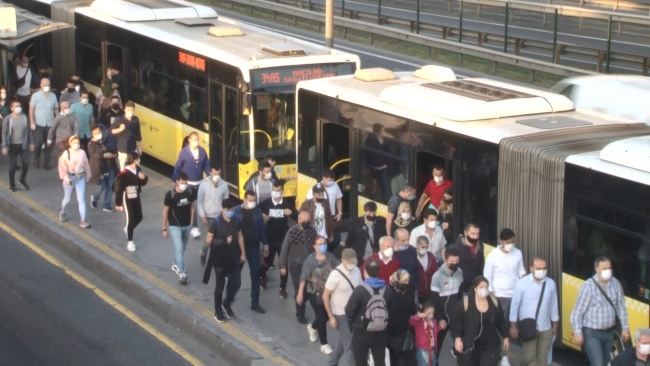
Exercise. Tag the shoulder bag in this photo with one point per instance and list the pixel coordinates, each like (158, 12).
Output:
(528, 327)
(618, 327)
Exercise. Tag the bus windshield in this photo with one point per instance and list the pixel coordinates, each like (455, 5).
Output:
(275, 124)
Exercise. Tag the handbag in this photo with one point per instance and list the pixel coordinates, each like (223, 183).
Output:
(528, 327)
(404, 343)
(618, 326)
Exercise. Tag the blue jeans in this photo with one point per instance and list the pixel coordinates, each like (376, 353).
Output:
(422, 357)
(79, 185)
(180, 235)
(254, 259)
(598, 345)
(105, 186)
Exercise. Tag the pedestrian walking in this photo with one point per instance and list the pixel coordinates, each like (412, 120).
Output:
(364, 232)
(127, 195)
(404, 219)
(276, 212)
(74, 171)
(177, 221)
(296, 247)
(85, 115)
(405, 195)
(434, 190)
(338, 289)
(598, 313)
(445, 288)
(427, 267)
(472, 259)
(401, 348)
(17, 141)
(388, 264)
(108, 115)
(426, 335)
(226, 254)
(64, 126)
(211, 193)
(407, 256)
(43, 107)
(334, 198)
(638, 355)
(102, 167)
(129, 137)
(432, 230)
(315, 270)
(320, 213)
(534, 314)
(26, 80)
(70, 94)
(262, 184)
(5, 104)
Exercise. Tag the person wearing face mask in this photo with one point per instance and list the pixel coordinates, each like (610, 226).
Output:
(470, 249)
(446, 213)
(338, 289)
(405, 195)
(478, 326)
(404, 219)
(297, 245)
(432, 230)
(364, 232)
(320, 213)
(387, 261)
(64, 126)
(74, 172)
(79, 85)
(267, 159)
(101, 166)
(127, 130)
(262, 184)
(43, 107)
(400, 343)
(427, 267)
(226, 244)
(128, 188)
(276, 212)
(5, 106)
(254, 231)
(44, 74)
(407, 256)
(445, 289)
(638, 355)
(334, 198)
(317, 267)
(17, 140)
(598, 312)
(426, 335)
(70, 94)
(434, 189)
(26, 80)
(504, 266)
(211, 193)
(84, 112)
(111, 112)
(535, 297)
(178, 213)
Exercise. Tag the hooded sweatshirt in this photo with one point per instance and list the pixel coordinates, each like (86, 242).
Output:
(444, 291)
(210, 197)
(356, 307)
(74, 162)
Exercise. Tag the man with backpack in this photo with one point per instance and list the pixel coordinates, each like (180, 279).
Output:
(368, 308)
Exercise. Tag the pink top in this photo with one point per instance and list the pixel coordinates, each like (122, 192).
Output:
(74, 163)
(422, 326)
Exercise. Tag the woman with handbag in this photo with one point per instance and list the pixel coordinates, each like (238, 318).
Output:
(401, 344)
(315, 270)
(74, 172)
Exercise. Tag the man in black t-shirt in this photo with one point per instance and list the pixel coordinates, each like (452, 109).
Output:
(226, 254)
(127, 130)
(178, 214)
(276, 213)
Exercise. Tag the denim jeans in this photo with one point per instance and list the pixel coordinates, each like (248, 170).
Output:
(105, 186)
(422, 357)
(254, 259)
(344, 343)
(79, 185)
(180, 235)
(598, 345)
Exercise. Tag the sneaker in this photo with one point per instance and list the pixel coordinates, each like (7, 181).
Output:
(182, 278)
(109, 209)
(313, 334)
(23, 184)
(258, 309)
(84, 225)
(130, 246)
(219, 317)
(263, 283)
(62, 217)
(12, 189)
(283, 293)
(175, 269)
(301, 319)
(326, 349)
(229, 313)
(93, 203)
(195, 233)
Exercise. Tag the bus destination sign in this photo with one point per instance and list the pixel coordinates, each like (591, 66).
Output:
(291, 75)
(192, 61)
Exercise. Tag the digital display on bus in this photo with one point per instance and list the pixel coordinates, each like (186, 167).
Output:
(192, 61)
(291, 75)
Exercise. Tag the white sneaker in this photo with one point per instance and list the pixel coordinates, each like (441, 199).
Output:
(326, 349)
(195, 233)
(313, 334)
(182, 278)
(175, 269)
(130, 246)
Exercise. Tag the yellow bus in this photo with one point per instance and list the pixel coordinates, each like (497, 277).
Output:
(518, 157)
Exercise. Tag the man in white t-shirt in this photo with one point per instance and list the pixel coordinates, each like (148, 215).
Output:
(433, 232)
(504, 266)
(334, 196)
(338, 290)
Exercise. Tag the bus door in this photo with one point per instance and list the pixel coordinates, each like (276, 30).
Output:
(118, 56)
(216, 126)
(335, 154)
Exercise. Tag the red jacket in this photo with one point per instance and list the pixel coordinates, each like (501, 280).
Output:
(421, 339)
(385, 269)
(424, 285)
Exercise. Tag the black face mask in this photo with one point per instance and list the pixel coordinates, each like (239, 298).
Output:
(453, 267)
(370, 218)
(304, 225)
(319, 200)
(70, 90)
(448, 201)
(402, 287)
(115, 106)
(472, 241)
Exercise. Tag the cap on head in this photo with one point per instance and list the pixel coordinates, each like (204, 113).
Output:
(318, 188)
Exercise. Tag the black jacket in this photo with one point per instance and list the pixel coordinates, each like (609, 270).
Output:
(358, 235)
(469, 324)
(358, 301)
(399, 312)
(128, 187)
(627, 358)
(472, 265)
(408, 260)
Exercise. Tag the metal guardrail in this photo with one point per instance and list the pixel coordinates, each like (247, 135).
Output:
(463, 50)
(640, 5)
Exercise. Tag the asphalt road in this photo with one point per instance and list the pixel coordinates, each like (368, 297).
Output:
(47, 318)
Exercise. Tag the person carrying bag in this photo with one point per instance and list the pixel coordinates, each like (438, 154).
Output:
(528, 327)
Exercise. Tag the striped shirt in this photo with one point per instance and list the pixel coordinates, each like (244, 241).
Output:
(592, 310)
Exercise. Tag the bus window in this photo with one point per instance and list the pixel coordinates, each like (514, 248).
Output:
(379, 167)
(190, 106)
(89, 60)
(161, 89)
(232, 136)
(216, 126)
(274, 116)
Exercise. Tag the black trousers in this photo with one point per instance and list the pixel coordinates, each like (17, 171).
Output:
(233, 275)
(320, 323)
(364, 342)
(40, 137)
(16, 150)
(133, 211)
(399, 358)
(295, 271)
(480, 357)
(274, 249)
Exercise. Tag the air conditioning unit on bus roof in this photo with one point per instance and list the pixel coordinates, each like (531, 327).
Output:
(283, 50)
(9, 24)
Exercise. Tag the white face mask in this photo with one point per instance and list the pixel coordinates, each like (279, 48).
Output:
(329, 183)
(99, 137)
(482, 292)
(388, 253)
(194, 143)
(128, 114)
(3, 96)
(644, 349)
(77, 88)
(438, 179)
(606, 274)
(422, 252)
(406, 215)
(432, 224)
(350, 266)
(250, 205)
(66, 111)
(182, 187)
(216, 178)
(507, 247)
(75, 146)
(46, 89)
(84, 101)
(268, 175)
(18, 110)
(276, 194)
(540, 274)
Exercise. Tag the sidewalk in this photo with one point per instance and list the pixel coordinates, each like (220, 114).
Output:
(275, 338)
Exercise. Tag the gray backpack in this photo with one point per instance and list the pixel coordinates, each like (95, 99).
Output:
(375, 318)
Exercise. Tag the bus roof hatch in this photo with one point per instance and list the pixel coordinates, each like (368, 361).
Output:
(283, 50)
(633, 153)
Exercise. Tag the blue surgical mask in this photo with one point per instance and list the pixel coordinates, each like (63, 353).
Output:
(322, 249)
(411, 197)
(401, 248)
(229, 214)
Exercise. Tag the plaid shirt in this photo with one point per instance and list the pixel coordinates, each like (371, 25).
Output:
(592, 310)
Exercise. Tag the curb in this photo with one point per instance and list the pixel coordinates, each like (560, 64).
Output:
(172, 311)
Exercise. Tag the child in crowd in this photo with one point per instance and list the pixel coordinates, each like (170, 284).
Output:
(426, 334)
